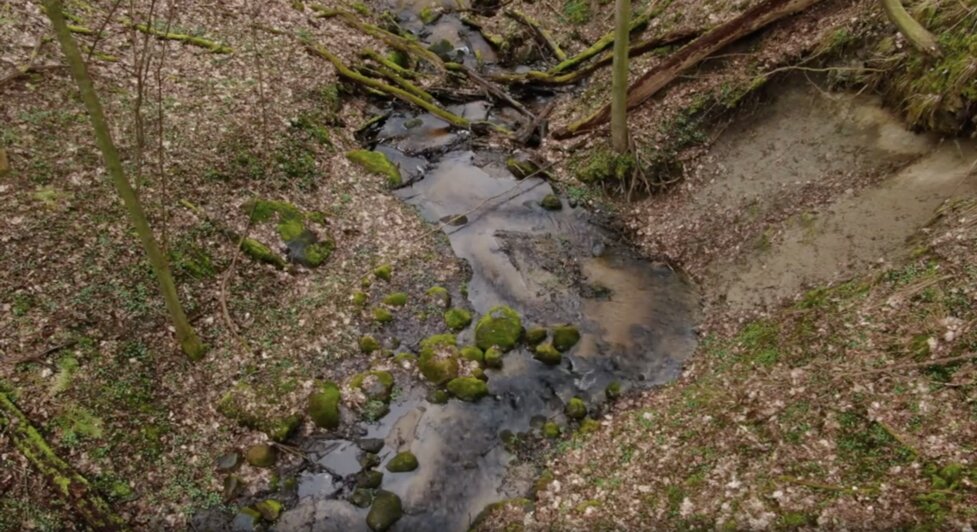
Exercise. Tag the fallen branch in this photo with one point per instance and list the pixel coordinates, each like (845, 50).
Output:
(540, 32)
(213, 46)
(375, 56)
(914, 31)
(68, 483)
(690, 55)
(914, 365)
(493, 89)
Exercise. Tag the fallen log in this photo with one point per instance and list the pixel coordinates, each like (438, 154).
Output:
(540, 32)
(193, 40)
(69, 484)
(690, 55)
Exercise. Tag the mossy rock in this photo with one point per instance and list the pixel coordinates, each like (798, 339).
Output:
(438, 396)
(551, 202)
(535, 336)
(493, 358)
(269, 509)
(360, 298)
(501, 327)
(376, 385)
(547, 354)
(522, 167)
(473, 353)
(602, 165)
(369, 460)
(318, 252)
(361, 497)
(565, 337)
(439, 358)
(377, 163)
(323, 406)
(479, 374)
(396, 299)
(369, 479)
(613, 390)
(384, 512)
(368, 344)
(551, 430)
(247, 518)
(405, 358)
(382, 315)
(384, 272)
(261, 455)
(254, 408)
(588, 426)
(575, 408)
(468, 388)
(375, 410)
(263, 210)
(440, 296)
(457, 319)
(262, 253)
(403, 462)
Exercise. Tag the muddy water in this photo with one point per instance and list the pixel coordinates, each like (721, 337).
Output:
(636, 320)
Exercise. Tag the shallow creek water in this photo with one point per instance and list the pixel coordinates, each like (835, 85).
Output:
(636, 319)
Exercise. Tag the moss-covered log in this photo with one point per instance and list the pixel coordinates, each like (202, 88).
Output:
(375, 84)
(914, 31)
(540, 32)
(69, 484)
(193, 40)
(753, 19)
(379, 59)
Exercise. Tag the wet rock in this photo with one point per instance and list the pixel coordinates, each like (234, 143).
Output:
(384, 272)
(535, 336)
(439, 358)
(402, 462)
(233, 486)
(229, 462)
(444, 49)
(370, 445)
(375, 410)
(269, 509)
(369, 479)
(457, 319)
(368, 344)
(501, 327)
(493, 358)
(322, 515)
(323, 406)
(261, 455)
(377, 163)
(384, 512)
(521, 166)
(613, 391)
(565, 337)
(551, 202)
(547, 354)
(575, 408)
(468, 388)
(396, 299)
(438, 397)
(368, 460)
(246, 519)
(361, 497)
(551, 429)
(440, 296)
(376, 385)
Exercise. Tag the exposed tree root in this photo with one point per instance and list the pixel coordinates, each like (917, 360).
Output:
(68, 483)
(914, 31)
(213, 46)
(651, 82)
(540, 32)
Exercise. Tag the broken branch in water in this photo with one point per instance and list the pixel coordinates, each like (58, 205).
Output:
(493, 89)
(690, 55)
(541, 33)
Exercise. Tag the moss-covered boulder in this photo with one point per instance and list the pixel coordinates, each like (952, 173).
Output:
(457, 319)
(377, 163)
(368, 344)
(261, 455)
(269, 509)
(535, 336)
(384, 272)
(396, 299)
(323, 406)
(551, 202)
(382, 315)
(565, 337)
(473, 353)
(369, 479)
(551, 429)
(376, 385)
(575, 408)
(547, 354)
(259, 408)
(501, 327)
(385, 511)
(403, 462)
(439, 296)
(493, 358)
(439, 358)
(468, 388)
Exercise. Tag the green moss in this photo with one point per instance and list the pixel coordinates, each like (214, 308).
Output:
(565, 337)
(262, 253)
(575, 408)
(457, 319)
(501, 327)
(290, 229)
(261, 455)
(360, 298)
(438, 361)
(551, 430)
(384, 272)
(269, 509)
(263, 210)
(256, 409)
(377, 163)
(369, 479)
(318, 253)
(588, 426)
(374, 410)
(376, 384)
(604, 165)
(493, 358)
(396, 299)
(368, 344)
(382, 315)
(467, 388)
(440, 296)
(361, 497)
(522, 167)
(547, 354)
(471, 352)
(428, 15)
(577, 11)
(551, 202)
(613, 390)
(385, 511)
(535, 336)
(438, 397)
(403, 462)
(323, 407)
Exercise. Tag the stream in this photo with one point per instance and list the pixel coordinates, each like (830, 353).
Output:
(553, 266)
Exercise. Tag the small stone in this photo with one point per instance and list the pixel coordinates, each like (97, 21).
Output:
(468, 388)
(368, 344)
(384, 271)
(229, 462)
(368, 460)
(613, 390)
(493, 358)
(547, 354)
(535, 336)
(233, 486)
(369, 479)
(384, 512)
(402, 462)
(269, 509)
(457, 319)
(361, 497)
(551, 430)
(588, 426)
(396, 299)
(501, 327)
(440, 296)
(247, 518)
(261, 455)
(576, 408)
(370, 445)
(323, 407)
(438, 397)
(551, 202)
(565, 337)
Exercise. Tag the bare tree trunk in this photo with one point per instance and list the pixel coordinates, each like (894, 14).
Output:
(619, 81)
(914, 31)
(185, 334)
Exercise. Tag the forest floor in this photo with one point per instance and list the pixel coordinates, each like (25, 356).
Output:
(844, 405)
